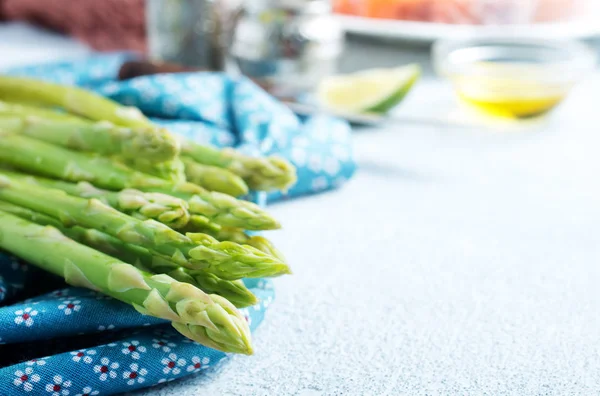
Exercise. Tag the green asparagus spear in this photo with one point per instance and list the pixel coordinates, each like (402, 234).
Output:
(261, 174)
(234, 291)
(75, 100)
(219, 208)
(164, 164)
(50, 160)
(173, 171)
(46, 159)
(220, 233)
(227, 260)
(214, 178)
(207, 319)
(264, 245)
(150, 143)
(236, 235)
(239, 236)
(22, 110)
(165, 209)
(199, 223)
(34, 217)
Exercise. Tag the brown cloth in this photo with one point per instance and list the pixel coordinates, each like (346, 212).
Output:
(103, 24)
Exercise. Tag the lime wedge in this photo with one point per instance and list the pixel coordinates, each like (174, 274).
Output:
(370, 91)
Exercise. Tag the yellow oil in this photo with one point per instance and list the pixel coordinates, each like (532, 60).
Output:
(513, 107)
(511, 91)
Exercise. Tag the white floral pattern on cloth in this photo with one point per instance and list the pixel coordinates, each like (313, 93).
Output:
(88, 391)
(134, 349)
(70, 306)
(36, 362)
(106, 369)
(58, 386)
(25, 379)
(83, 355)
(163, 345)
(210, 108)
(59, 294)
(198, 364)
(45, 316)
(172, 364)
(106, 328)
(135, 374)
(25, 316)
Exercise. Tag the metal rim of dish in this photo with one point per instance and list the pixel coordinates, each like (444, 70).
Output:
(427, 32)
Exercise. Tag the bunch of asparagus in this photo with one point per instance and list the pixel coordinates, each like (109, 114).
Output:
(93, 191)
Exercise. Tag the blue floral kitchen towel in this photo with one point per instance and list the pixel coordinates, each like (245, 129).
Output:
(74, 341)
(61, 341)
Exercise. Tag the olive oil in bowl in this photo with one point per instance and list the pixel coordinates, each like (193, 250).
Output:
(510, 90)
(512, 77)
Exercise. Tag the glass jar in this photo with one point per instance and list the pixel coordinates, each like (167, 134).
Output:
(288, 46)
(187, 32)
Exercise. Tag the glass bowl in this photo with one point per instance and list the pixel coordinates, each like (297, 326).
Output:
(513, 77)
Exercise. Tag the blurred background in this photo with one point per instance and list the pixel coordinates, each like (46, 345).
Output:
(474, 12)
(121, 24)
(291, 46)
(468, 235)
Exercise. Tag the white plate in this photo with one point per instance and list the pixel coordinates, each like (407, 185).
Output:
(429, 32)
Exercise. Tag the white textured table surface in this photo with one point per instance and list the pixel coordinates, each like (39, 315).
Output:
(456, 262)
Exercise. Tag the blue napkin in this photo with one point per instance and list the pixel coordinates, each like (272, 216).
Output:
(65, 341)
